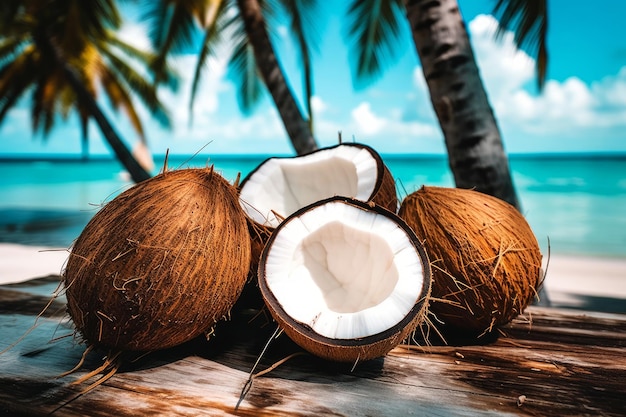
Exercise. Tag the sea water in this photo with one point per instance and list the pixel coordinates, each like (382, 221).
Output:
(575, 204)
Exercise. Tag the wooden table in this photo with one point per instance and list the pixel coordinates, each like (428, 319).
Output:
(549, 362)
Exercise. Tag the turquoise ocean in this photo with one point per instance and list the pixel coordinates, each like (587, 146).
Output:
(577, 203)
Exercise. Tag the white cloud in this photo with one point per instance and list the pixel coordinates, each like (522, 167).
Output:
(212, 84)
(366, 120)
(558, 118)
(390, 133)
(612, 90)
(503, 68)
(136, 34)
(565, 110)
(318, 105)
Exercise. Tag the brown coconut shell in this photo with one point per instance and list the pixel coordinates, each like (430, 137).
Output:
(383, 194)
(485, 258)
(358, 349)
(160, 264)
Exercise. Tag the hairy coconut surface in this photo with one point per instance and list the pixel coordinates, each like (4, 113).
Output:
(280, 186)
(485, 258)
(346, 280)
(160, 264)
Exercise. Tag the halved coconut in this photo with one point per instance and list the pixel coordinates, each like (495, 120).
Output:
(280, 186)
(346, 280)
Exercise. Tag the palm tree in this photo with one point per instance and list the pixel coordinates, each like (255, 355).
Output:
(297, 127)
(61, 51)
(475, 151)
(253, 53)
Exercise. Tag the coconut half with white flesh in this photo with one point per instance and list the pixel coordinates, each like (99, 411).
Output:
(346, 280)
(280, 186)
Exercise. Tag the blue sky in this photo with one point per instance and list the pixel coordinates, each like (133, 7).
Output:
(582, 108)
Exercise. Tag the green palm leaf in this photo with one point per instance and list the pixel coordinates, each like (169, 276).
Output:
(144, 58)
(529, 21)
(59, 51)
(8, 11)
(242, 67)
(15, 79)
(305, 18)
(173, 25)
(374, 35)
(214, 25)
(141, 87)
(10, 49)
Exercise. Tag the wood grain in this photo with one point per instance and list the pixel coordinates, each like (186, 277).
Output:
(560, 362)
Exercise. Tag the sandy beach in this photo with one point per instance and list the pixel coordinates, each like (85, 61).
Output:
(571, 282)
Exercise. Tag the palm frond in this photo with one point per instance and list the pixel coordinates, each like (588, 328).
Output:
(242, 67)
(307, 20)
(44, 102)
(215, 25)
(374, 35)
(67, 102)
(8, 12)
(96, 16)
(76, 32)
(14, 72)
(15, 79)
(529, 22)
(144, 58)
(10, 48)
(157, 13)
(173, 25)
(85, 21)
(305, 28)
(143, 88)
(119, 98)
(10, 99)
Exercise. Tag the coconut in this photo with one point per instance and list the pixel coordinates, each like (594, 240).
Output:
(280, 186)
(486, 259)
(159, 264)
(346, 280)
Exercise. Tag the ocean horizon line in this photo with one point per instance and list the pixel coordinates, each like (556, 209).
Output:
(69, 158)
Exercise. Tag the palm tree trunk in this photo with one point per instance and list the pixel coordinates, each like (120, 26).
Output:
(475, 151)
(84, 148)
(297, 127)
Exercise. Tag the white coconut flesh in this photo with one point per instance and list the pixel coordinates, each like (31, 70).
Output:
(343, 271)
(281, 186)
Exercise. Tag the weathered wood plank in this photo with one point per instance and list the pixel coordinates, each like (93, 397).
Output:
(561, 363)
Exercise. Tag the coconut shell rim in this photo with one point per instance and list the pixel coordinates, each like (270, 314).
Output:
(380, 168)
(306, 331)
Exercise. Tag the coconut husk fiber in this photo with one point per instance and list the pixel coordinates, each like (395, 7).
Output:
(485, 258)
(159, 264)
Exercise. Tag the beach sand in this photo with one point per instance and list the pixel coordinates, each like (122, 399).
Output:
(19, 263)
(595, 284)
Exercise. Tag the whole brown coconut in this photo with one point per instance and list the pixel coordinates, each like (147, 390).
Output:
(485, 258)
(160, 264)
